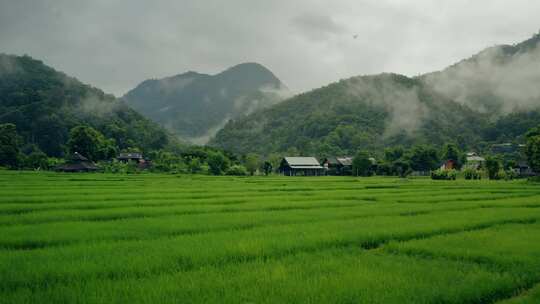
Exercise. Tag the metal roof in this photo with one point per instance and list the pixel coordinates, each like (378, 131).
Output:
(130, 155)
(302, 161)
(306, 167)
(476, 158)
(345, 161)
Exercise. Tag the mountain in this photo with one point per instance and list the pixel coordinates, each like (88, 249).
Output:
(368, 112)
(45, 104)
(194, 106)
(492, 96)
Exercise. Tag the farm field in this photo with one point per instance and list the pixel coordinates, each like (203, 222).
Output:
(100, 238)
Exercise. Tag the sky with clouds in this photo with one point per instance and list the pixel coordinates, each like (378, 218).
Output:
(116, 44)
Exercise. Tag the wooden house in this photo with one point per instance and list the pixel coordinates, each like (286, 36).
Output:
(338, 165)
(306, 166)
(448, 165)
(77, 163)
(126, 157)
(474, 161)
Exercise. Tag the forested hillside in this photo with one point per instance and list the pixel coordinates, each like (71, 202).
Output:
(493, 96)
(367, 112)
(45, 104)
(195, 106)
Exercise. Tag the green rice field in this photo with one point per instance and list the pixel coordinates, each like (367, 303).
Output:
(148, 238)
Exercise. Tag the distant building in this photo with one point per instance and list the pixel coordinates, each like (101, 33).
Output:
(507, 148)
(448, 165)
(338, 165)
(136, 158)
(523, 169)
(78, 163)
(125, 157)
(307, 166)
(474, 161)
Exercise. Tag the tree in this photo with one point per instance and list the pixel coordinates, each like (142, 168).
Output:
(36, 159)
(267, 168)
(533, 152)
(252, 163)
(9, 146)
(423, 158)
(217, 162)
(492, 166)
(451, 152)
(393, 154)
(90, 143)
(361, 164)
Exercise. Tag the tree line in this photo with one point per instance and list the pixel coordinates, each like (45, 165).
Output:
(393, 161)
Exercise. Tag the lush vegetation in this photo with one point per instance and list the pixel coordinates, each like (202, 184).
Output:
(79, 238)
(45, 105)
(194, 106)
(490, 98)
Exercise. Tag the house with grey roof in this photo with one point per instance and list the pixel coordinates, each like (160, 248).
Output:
(306, 166)
(338, 165)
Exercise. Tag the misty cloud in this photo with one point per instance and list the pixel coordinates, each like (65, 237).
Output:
(512, 81)
(317, 27)
(406, 111)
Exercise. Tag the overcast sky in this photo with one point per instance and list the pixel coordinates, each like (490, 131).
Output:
(116, 44)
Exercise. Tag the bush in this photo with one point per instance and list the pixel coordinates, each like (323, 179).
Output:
(237, 170)
(472, 174)
(444, 174)
(506, 175)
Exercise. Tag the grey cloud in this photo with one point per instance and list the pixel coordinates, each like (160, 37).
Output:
(317, 27)
(116, 44)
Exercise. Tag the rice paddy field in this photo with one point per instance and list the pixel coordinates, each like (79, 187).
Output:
(98, 238)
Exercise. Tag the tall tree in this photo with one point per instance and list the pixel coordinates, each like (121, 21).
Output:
(423, 158)
(217, 163)
(90, 143)
(533, 149)
(9, 146)
(492, 166)
(252, 163)
(361, 164)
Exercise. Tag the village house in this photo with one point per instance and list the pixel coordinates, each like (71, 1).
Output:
(474, 161)
(77, 163)
(126, 157)
(338, 165)
(523, 169)
(306, 166)
(448, 165)
(136, 158)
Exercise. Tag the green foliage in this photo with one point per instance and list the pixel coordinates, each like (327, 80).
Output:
(441, 174)
(90, 143)
(423, 158)
(267, 167)
(218, 163)
(472, 174)
(119, 167)
(493, 166)
(350, 115)
(362, 165)
(452, 152)
(252, 163)
(163, 161)
(533, 150)
(46, 104)
(37, 160)
(9, 146)
(237, 170)
(194, 166)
